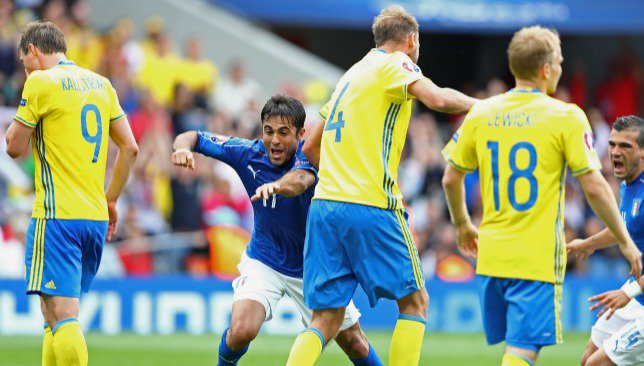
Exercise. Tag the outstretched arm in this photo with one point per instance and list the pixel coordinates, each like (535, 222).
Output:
(440, 99)
(467, 233)
(311, 148)
(122, 136)
(182, 149)
(292, 184)
(617, 299)
(601, 199)
(586, 247)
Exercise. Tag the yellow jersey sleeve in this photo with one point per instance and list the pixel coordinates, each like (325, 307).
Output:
(324, 111)
(397, 73)
(460, 151)
(36, 99)
(116, 112)
(578, 144)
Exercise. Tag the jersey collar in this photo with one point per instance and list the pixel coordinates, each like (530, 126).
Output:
(637, 180)
(379, 50)
(525, 90)
(68, 62)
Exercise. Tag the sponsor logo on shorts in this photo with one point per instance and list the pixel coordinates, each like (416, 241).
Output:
(50, 285)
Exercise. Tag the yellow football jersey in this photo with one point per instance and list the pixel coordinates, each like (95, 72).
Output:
(71, 109)
(521, 142)
(200, 76)
(366, 125)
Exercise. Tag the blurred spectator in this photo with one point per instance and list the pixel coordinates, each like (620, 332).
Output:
(237, 94)
(197, 73)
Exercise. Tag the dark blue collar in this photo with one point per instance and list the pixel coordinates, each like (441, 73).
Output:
(68, 62)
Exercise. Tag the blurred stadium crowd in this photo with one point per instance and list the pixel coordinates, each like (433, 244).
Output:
(171, 218)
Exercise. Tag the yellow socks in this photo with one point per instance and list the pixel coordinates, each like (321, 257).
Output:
(69, 343)
(510, 359)
(407, 341)
(307, 348)
(48, 358)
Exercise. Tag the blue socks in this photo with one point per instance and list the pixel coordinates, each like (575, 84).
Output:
(372, 359)
(228, 357)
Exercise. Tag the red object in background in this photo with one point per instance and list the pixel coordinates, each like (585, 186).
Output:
(136, 264)
(578, 88)
(454, 268)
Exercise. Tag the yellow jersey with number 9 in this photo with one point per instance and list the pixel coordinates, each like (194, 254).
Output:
(366, 125)
(71, 109)
(521, 142)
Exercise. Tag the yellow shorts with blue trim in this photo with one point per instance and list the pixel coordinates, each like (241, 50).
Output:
(349, 244)
(62, 256)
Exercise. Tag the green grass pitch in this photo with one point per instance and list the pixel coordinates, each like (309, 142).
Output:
(182, 349)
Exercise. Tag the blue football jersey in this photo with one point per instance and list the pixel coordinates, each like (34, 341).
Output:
(631, 195)
(280, 227)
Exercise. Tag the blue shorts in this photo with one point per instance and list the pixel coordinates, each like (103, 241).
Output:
(62, 256)
(525, 314)
(347, 244)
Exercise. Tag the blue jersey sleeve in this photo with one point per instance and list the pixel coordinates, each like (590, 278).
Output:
(301, 162)
(231, 150)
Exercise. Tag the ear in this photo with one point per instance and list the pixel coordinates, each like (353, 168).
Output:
(411, 44)
(32, 49)
(301, 133)
(545, 71)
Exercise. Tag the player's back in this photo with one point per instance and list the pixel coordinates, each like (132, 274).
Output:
(71, 109)
(366, 124)
(521, 142)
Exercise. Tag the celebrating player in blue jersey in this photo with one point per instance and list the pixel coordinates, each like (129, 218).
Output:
(271, 267)
(627, 155)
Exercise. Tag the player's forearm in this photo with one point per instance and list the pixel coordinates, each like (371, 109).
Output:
(125, 159)
(187, 140)
(311, 148)
(453, 185)
(294, 183)
(601, 199)
(440, 99)
(602, 239)
(456, 102)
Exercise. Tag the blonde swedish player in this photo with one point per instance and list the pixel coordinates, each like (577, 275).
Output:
(357, 230)
(67, 113)
(521, 142)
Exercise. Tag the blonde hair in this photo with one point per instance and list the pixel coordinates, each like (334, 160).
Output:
(393, 24)
(530, 48)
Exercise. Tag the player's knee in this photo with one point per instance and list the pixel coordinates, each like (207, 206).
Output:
(415, 304)
(354, 343)
(242, 334)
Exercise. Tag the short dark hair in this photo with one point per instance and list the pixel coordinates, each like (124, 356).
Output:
(45, 35)
(631, 122)
(286, 107)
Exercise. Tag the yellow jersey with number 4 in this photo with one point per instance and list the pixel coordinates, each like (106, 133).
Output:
(366, 125)
(71, 109)
(521, 142)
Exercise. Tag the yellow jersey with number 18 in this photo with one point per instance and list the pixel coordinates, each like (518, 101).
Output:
(71, 109)
(366, 125)
(521, 142)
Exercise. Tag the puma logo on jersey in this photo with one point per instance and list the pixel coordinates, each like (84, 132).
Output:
(50, 285)
(252, 171)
